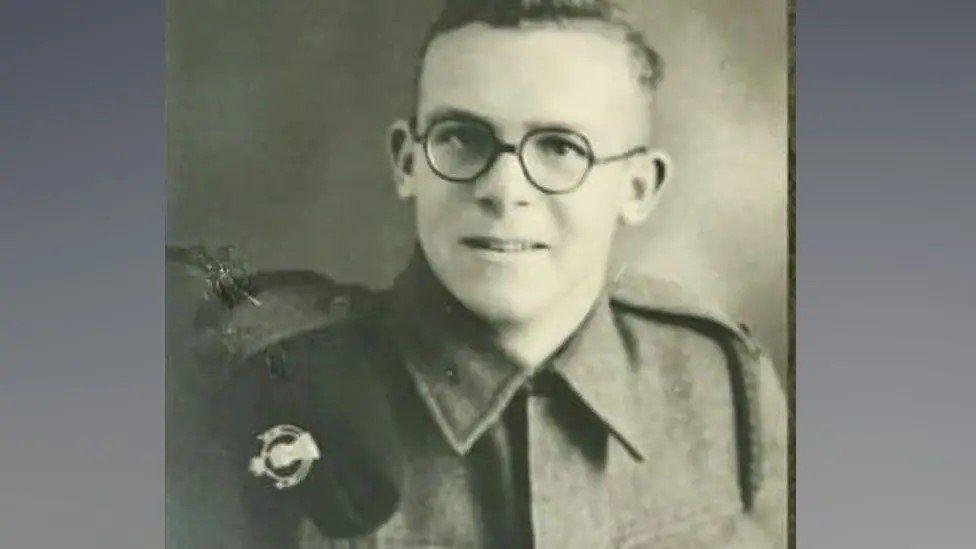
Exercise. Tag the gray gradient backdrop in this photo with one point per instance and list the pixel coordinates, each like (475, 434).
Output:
(885, 134)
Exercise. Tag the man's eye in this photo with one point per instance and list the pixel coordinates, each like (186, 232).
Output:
(457, 137)
(459, 140)
(561, 146)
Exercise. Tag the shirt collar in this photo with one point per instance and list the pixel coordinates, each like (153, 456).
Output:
(467, 382)
(599, 366)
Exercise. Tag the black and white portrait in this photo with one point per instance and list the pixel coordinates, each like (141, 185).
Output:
(477, 273)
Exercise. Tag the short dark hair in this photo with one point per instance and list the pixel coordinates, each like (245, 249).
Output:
(513, 13)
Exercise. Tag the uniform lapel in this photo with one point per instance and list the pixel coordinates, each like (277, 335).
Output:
(464, 380)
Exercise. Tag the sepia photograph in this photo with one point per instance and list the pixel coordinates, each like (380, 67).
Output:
(478, 273)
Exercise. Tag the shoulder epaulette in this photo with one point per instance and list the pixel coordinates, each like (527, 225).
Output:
(655, 295)
(288, 303)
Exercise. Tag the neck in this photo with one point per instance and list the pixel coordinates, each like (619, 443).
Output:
(526, 343)
(532, 342)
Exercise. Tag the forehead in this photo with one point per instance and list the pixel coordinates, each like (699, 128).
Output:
(582, 77)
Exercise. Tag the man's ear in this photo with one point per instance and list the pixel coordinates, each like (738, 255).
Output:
(399, 141)
(645, 187)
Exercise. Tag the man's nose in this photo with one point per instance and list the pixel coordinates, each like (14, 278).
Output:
(504, 186)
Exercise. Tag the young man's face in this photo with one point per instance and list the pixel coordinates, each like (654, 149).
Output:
(503, 247)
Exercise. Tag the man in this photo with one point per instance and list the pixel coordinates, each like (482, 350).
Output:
(508, 391)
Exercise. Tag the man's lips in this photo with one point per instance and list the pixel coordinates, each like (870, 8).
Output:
(504, 245)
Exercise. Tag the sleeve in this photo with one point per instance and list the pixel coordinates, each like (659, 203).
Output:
(200, 508)
(252, 518)
(764, 525)
(320, 384)
(770, 505)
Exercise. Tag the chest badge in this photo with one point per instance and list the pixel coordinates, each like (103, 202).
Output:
(286, 455)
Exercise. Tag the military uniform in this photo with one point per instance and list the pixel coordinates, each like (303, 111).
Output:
(657, 424)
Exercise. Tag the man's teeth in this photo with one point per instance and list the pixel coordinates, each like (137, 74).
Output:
(505, 245)
(508, 246)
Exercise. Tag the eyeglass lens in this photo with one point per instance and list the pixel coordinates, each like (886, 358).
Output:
(461, 150)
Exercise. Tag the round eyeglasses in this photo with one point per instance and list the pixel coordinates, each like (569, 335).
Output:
(554, 160)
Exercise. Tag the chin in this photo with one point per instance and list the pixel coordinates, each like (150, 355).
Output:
(499, 305)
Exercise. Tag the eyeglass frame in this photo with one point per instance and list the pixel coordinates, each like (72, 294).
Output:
(500, 147)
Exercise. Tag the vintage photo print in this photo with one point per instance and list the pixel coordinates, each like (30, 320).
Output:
(478, 273)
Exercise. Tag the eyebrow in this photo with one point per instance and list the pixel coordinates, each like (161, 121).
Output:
(447, 112)
(443, 113)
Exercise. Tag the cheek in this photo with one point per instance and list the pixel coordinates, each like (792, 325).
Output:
(589, 217)
(433, 209)
(428, 196)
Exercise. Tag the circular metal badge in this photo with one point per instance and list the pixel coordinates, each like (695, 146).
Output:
(286, 455)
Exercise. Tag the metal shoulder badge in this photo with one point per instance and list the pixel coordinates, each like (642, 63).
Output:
(286, 455)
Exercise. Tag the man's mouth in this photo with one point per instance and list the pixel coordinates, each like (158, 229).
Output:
(503, 245)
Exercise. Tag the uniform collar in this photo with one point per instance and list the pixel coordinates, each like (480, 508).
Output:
(467, 382)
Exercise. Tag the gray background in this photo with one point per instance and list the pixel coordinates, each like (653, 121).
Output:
(884, 288)
(277, 113)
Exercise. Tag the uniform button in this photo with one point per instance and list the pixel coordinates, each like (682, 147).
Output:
(274, 360)
(452, 375)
